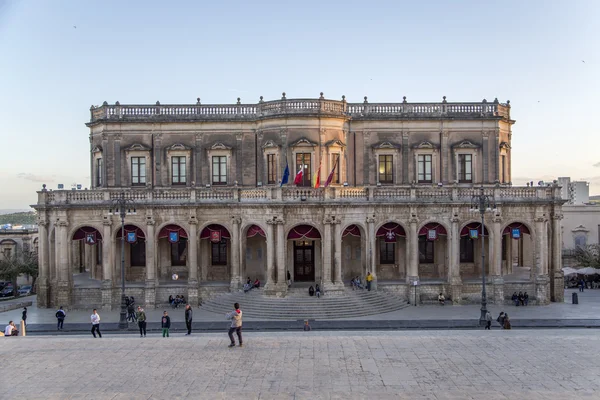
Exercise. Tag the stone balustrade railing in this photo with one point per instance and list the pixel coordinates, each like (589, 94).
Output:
(373, 194)
(321, 106)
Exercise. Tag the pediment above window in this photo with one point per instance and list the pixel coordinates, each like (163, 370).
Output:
(269, 144)
(137, 147)
(304, 142)
(8, 242)
(504, 146)
(465, 144)
(97, 149)
(580, 228)
(426, 145)
(219, 146)
(335, 143)
(385, 145)
(178, 146)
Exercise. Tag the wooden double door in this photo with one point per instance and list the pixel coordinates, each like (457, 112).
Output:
(304, 261)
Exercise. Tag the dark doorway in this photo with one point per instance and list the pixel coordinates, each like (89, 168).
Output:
(304, 261)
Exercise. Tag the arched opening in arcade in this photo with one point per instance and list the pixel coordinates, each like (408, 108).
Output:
(471, 236)
(254, 262)
(85, 257)
(353, 255)
(391, 252)
(517, 252)
(135, 253)
(303, 254)
(172, 248)
(433, 252)
(215, 253)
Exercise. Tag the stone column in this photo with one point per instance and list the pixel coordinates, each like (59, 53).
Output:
(150, 292)
(64, 289)
(454, 271)
(326, 256)
(557, 275)
(371, 240)
(485, 156)
(496, 261)
(193, 263)
(107, 259)
(337, 254)
(43, 289)
(281, 270)
(270, 282)
(542, 281)
(236, 280)
(413, 268)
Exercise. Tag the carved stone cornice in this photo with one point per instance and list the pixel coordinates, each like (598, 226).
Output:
(150, 222)
(276, 221)
(239, 136)
(236, 220)
(371, 220)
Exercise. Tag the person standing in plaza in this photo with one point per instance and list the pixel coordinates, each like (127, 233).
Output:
(165, 324)
(24, 316)
(141, 319)
(188, 319)
(369, 280)
(95, 318)
(488, 320)
(60, 317)
(236, 325)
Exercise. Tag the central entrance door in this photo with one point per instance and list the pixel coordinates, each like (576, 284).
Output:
(304, 261)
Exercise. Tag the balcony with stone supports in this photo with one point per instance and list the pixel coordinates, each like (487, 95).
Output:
(284, 107)
(293, 195)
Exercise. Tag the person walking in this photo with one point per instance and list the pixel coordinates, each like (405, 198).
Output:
(95, 318)
(165, 324)
(488, 320)
(24, 316)
(141, 319)
(188, 318)
(236, 325)
(369, 280)
(60, 317)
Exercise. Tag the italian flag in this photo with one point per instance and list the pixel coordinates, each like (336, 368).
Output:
(298, 178)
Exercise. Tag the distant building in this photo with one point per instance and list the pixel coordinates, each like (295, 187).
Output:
(15, 242)
(576, 192)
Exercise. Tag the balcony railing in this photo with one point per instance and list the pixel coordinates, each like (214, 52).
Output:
(192, 112)
(363, 194)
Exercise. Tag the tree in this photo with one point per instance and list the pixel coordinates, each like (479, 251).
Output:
(13, 266)
(588, 256)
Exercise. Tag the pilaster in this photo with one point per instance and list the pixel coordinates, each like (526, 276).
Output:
(43, 284)
(236, 279)
(192, 292)
(280, 288)
(337, 254)
(270, 281)
(454, 271)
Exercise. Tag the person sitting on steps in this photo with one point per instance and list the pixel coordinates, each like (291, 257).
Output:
(318, 291)
(311, 291)
(441, 299)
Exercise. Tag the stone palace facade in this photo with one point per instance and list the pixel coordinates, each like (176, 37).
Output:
(207, 208)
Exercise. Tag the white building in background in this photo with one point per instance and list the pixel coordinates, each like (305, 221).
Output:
(577, 192)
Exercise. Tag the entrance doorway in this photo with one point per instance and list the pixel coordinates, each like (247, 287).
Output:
(304, 261)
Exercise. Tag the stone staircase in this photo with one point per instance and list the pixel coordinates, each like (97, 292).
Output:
(298, 305)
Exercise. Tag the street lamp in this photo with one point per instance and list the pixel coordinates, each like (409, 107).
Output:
(121, 205)
(482, 202)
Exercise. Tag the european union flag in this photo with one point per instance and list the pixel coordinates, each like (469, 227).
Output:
(286, 175)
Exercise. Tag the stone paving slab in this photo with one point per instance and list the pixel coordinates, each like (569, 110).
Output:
(543, 364)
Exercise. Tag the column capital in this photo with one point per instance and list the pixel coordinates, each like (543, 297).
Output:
(276, 221)
(496, 219)
(371, 220)
(150, 222)
(236, 220)
(62, 222)
(42, 222)
(193, 220)
(558, 217)
(539, 219)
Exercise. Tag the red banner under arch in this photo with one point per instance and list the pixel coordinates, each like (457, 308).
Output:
(206, 232)
(473, 225)
(304, 232)
(80, 234)
(132, 228)
(164, 232)
(390, 230)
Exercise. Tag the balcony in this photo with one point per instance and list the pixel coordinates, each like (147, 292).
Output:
(276, 195)
(293, 107)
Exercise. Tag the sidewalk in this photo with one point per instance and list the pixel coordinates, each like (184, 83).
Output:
(567, 315)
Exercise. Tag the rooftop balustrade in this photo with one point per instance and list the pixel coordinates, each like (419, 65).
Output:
(266, 195)
(287, 107)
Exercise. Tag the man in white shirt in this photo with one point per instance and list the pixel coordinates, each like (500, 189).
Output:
(236, 325)
(95, 318)
(11, 329)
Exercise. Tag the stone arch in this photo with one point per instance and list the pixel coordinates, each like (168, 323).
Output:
(470, 249)
(518, 254)
(159, 228)
(85, 254)
(433, 251)
(486, 226)
(172, 256)
(253, 262)
(404, 227)
(117, 229)
(77, 227)
(354, 255)
(135, 252)
(216, 256)
(289, 230)
(303, 249)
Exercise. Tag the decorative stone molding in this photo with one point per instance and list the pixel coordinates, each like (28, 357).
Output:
(579, 228)
(465, 144)
(97, 149)
(426, 144)
(137, 147)
(178, 147)
(335, 143)
(304, 142)
(385, 145)
(269, 144)
(505, 146)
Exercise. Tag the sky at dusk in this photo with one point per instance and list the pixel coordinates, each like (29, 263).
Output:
(58, 58)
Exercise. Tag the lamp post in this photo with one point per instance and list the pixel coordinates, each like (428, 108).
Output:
(482, 203)
(121, 205)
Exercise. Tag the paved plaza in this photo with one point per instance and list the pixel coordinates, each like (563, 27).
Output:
(525, 364)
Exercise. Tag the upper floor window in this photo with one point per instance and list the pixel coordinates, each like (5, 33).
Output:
(303, 162)
(465, 168)
(386, 164)
(426, 250)
(335, 163)
(387, 252)
(271, 168)
(98, 172)
(219, 170)
(424, 168)
(138, 171)
(467, 250)
(178, 170)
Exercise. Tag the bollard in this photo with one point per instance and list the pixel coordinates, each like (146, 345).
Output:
(22, 330)
(575, 298)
